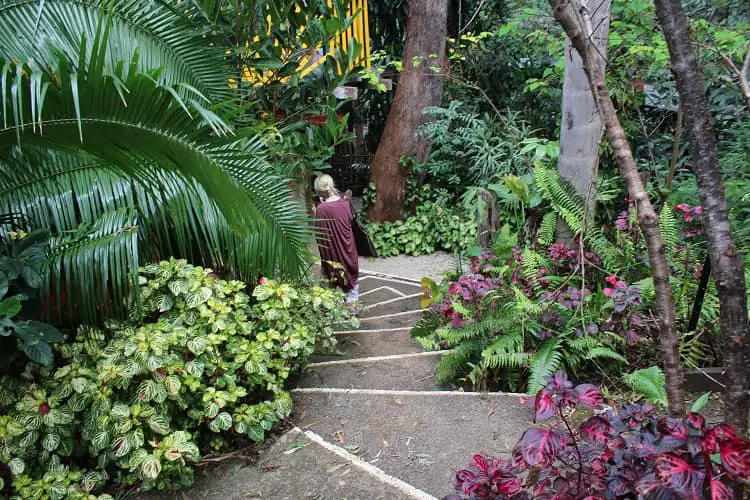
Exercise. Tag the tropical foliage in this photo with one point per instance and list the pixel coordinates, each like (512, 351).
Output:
(200, 367)
(615, 453)
(117, 137)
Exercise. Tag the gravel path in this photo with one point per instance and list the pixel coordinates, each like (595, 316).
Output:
(408, 266)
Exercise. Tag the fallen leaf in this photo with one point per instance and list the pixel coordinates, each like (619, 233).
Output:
(295, 446)
(340, 436)
(334, 468)
(352, 448)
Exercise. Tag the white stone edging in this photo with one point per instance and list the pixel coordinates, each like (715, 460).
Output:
(367, 467)
(378, 358)
(395, 392)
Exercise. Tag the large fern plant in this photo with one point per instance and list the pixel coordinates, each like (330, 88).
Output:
(509, 346)
(111, 136)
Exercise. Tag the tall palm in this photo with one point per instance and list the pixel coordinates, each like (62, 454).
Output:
(111, 137)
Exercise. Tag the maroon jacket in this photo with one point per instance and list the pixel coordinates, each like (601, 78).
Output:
(336, 242)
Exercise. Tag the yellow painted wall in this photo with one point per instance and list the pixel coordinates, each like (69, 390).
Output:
(359, 30)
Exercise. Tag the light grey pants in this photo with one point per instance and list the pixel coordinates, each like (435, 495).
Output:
(353, 294)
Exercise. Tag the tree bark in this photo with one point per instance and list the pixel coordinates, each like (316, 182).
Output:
(576, 22)
(726, 261)
(420, 86)
(581, 126)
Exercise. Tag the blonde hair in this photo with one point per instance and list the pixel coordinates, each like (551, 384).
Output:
(324, 187)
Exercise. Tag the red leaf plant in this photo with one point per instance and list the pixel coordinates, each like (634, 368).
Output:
(613, 454)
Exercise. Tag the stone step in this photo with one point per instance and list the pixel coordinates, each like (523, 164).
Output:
(300, 465)
(356, 344)
(369, 282)
(384, 321)
(391, 306)
(400, 372)
(420, 437)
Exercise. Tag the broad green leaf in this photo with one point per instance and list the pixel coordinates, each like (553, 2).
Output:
(10, 307)
(41, 352)
(700, 403)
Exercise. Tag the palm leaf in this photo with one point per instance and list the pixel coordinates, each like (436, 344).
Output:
(162, 36)
(93, 269)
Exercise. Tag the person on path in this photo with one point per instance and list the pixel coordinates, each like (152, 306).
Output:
(338, 251)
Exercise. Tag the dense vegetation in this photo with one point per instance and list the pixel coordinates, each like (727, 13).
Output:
(156, 161)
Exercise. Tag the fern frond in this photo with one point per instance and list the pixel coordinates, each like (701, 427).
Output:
(505, 352)
(607, 353)
(547, 228)
(668, 228)
(648, 382)
(455, 363)
(544, 363)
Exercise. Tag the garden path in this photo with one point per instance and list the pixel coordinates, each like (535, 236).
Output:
(373, 422)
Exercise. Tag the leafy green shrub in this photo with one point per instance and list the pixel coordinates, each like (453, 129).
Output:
(22, 257)
(202, 367)
(432, 228)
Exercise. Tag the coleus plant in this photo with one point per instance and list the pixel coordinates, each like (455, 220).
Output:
(612, 454)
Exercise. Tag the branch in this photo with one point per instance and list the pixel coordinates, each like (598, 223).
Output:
(572, 18)
(743, 75)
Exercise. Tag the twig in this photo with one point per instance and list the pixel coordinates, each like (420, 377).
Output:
(471, 20)
(220, 458)
(675, 152)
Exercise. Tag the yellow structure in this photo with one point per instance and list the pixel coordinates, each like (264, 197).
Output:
(358, 30)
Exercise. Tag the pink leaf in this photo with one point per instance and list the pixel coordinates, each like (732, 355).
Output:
(696, 420)
(540, 446)
(596, 430)
(544, 406)
(589, 396)
(673, 427)
(676, 473)
(713, 436)
(720, 491)
(735, 456)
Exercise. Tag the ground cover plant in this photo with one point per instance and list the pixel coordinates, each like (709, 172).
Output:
(199, 368)
(612, 453)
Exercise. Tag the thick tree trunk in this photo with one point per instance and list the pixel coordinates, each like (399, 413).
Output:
(726, 261)
(581, 126)
(576, 22)
(419, 86)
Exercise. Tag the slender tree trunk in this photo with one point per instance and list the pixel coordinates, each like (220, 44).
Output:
(726, 261)
(576, 22)
(420, 86)
(581, 126)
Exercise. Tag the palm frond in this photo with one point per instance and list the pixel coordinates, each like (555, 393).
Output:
(162, 35)
(96, 266)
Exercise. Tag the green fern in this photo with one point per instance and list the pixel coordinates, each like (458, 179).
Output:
(530, 266)
(650, 383)
(547, 228)
(570, 208)
(505, 352)
(454, 364)
(668, 228)
(606, 353)
(544, 363)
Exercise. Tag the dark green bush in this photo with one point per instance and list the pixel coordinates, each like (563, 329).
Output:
(433, 227)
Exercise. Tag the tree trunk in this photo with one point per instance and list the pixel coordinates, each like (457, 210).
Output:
(576, 22)
(726, 261)
(420, 86)
(581, 126)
